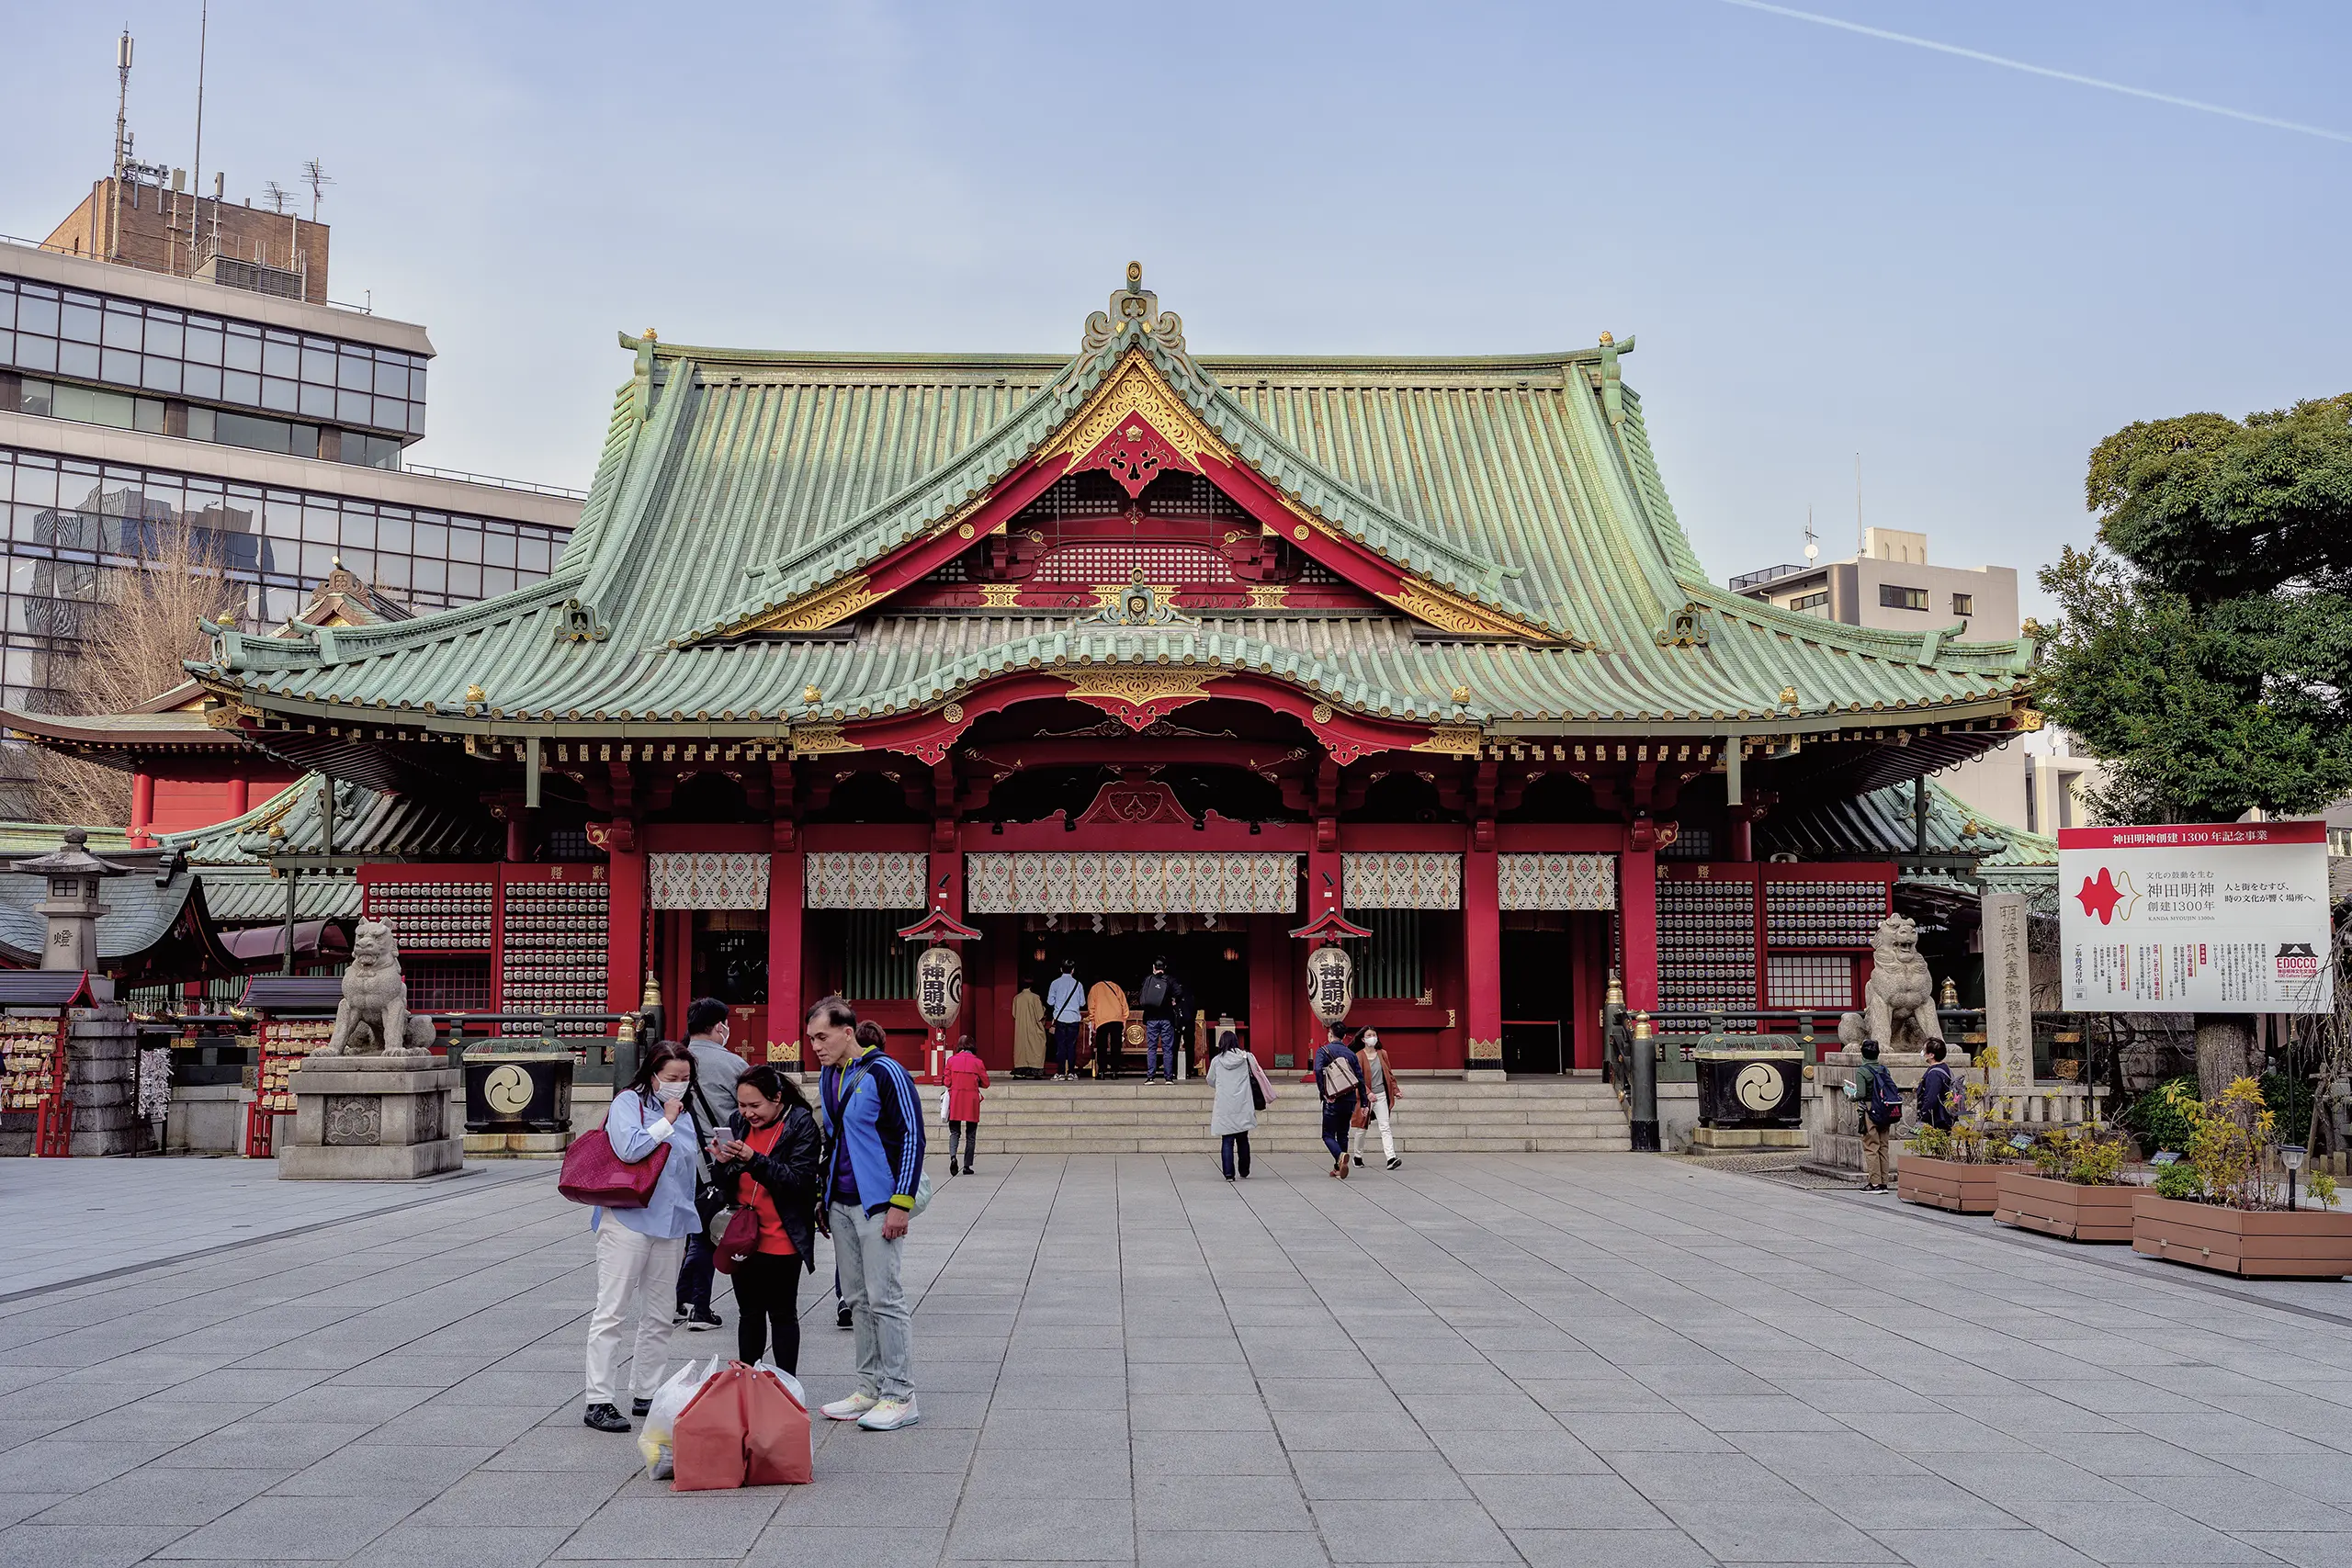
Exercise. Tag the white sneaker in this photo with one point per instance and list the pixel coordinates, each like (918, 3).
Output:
(890, 1415)
(850, 1409)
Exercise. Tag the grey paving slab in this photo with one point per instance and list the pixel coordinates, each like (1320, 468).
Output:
(1548, 1360)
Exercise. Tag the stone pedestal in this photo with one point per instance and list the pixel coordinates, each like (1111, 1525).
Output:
(371, 1119)
(102, 1080)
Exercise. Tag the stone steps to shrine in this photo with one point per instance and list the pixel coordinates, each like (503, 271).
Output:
(1435, 1116)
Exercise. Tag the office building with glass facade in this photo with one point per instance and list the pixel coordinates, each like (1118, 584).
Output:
(133, 402)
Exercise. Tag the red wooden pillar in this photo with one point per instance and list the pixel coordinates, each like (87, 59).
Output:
(1482, 951)
(625, 922)
(143, 802)
(1269, 997)
(1638, 906)
(788, 894)
(240, 794)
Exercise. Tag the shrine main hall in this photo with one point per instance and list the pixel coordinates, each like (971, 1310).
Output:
(1124, 655)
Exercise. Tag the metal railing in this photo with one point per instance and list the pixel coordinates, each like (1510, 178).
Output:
(1747, 580)
(565, 491)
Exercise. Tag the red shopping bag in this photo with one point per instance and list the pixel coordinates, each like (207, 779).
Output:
(775, 1433)
(707, 1442)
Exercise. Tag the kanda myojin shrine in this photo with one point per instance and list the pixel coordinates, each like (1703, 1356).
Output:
(1103, 657)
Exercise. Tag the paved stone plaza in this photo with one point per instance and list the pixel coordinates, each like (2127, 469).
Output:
(1539, 1359)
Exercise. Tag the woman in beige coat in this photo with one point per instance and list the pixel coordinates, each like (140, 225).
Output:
(1029, 1032)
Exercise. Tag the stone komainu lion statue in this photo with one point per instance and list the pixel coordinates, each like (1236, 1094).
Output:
(373, 1017)
(1900, 1002)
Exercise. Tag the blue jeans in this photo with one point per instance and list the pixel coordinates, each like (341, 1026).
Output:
(1066, 1043)
(1237, 1143)
(1337, 1114)
(1159, 1047)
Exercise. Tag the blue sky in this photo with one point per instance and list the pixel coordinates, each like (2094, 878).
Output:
(1825, 243)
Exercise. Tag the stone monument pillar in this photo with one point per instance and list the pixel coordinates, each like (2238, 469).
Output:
(2009, 998)
(373, 1105)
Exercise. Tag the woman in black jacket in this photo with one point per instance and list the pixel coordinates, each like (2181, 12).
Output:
(769, 1162)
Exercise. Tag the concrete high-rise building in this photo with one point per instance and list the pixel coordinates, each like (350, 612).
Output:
(147, 384)
(1889, 584)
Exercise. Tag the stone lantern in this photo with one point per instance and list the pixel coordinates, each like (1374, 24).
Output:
(72, 909)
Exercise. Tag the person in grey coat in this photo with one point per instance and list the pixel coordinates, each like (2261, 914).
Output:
(1235, 1109)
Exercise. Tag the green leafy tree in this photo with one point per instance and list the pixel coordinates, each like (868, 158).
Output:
(2205, 651)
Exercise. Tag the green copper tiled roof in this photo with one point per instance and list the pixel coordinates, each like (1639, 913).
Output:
(733, 481)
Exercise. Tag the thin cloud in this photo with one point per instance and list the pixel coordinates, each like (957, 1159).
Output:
(2031, 70)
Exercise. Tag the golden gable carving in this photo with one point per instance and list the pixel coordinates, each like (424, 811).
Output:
(1134, 387)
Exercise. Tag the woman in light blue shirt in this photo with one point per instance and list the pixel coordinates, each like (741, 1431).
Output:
(637, 1253)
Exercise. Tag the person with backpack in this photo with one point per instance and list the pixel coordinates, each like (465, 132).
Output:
(1936, 1090)
(1158, 998)
(1341, 1083)
(1880, 1103)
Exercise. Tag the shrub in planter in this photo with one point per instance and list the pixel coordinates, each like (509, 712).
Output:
(2228, 1212)
(2072, 1191)
(1957, 1169)
(2166, 1116)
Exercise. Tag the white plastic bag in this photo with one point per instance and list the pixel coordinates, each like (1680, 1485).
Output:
(791, 1385)
(653, 1438)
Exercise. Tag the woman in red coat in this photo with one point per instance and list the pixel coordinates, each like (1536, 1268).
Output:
(967, 1076)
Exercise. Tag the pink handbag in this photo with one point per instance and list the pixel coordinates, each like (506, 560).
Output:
(593, 1173)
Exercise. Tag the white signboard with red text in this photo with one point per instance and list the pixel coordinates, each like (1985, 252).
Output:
(2227, 917)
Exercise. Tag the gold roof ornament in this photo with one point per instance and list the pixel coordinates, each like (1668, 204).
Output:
(1461, 695)
(1607, 339)
(812, 696)
(1788, 697)
(649, 335)
(474, 693)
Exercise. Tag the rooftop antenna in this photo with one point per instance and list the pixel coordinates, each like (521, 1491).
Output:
(315, 176)
(277, 194)
(122, 49)
(1858, 542)
(1812, 546)
(196, 186)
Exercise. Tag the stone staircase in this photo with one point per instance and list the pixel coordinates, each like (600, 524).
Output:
(1433, 1116)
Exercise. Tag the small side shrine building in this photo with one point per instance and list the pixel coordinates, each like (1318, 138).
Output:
(1125, 655)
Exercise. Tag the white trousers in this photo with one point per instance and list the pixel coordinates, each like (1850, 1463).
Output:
(1388, 1133)
(637, 1276)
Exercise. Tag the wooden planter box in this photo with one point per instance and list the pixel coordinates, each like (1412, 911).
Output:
(2307, 1243)
(1947, 1184)
(2065, 1209)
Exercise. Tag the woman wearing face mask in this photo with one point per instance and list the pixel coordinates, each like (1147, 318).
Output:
(767, 1158)
(638, 1251)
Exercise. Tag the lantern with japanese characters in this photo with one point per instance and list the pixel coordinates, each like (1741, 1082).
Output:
(939, 985)
(1330, 984)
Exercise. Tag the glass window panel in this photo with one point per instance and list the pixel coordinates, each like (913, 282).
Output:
(37, 398)
(280, 359)
(352, 408)
(38, 313)
(8, 348)
(276, 394)
(432, 539)
(148, 414)
(536, 554)
(36, 482)
(391, 413)
(498, 550)
(354, 370)
(35, 353)
(166, 338)
(240, 351)
(81, 324)
(305, 440)
(203, 346)
(282, 516)
(317, 560)
(318, 402)
(360, 561)
(8, 315)
(158, 374)
(321, 524)
(282, 602)
(465, 580)
(358, 528)
(391, 572)
(121, 326)
(119, 365)
(78, 359)
(415, 381)
(417, 419)
(392, 532)
(432, 576)
(496, 581)
(203, 380)
(318, 366)
(391, 381)
(241, 386)
(465, 543)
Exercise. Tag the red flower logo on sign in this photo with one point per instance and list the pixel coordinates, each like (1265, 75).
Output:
(2100, 895)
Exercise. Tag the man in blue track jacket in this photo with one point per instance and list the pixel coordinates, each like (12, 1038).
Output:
(874, 1121)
